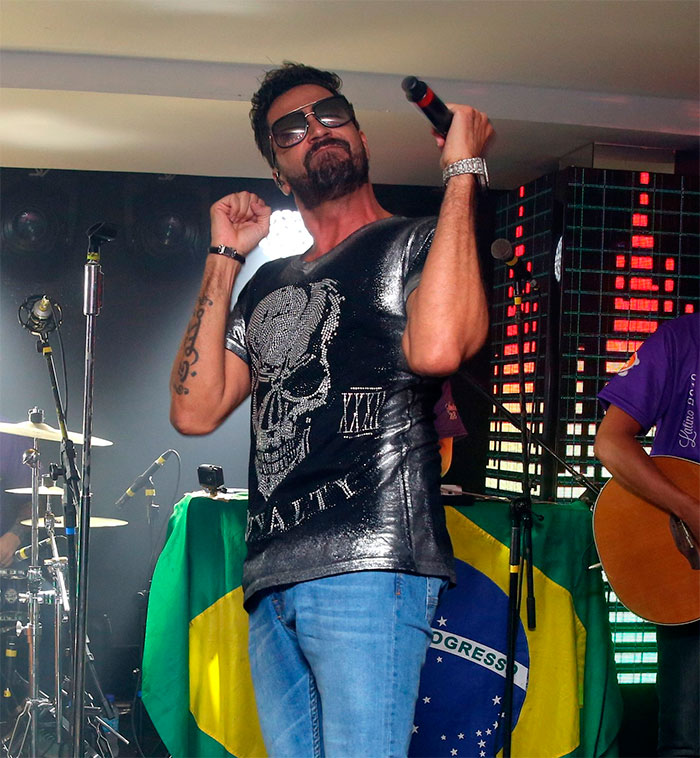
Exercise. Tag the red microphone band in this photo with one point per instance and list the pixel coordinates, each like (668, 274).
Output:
(428, 98)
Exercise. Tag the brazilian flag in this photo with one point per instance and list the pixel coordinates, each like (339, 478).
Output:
(566, 701)
(196, 679)
(197, 686)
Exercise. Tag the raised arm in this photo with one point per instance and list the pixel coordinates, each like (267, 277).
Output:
(447, 312)
(208, 381)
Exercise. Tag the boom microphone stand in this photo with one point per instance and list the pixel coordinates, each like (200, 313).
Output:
(521, 518)
(97, 235)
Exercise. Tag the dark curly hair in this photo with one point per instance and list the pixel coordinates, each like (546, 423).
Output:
(275, 83)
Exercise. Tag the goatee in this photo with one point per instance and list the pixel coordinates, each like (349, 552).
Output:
(333, 174)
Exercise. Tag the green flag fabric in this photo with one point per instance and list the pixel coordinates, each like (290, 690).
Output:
(197, 685)
(196, 679)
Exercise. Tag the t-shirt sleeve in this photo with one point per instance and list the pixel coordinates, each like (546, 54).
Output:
(418, 247)
(236, 327)
(641, 388)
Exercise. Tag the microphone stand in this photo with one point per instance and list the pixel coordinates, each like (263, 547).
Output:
(521, 520)
(92, 302)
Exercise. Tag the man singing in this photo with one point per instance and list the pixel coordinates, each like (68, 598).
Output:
(342, 350)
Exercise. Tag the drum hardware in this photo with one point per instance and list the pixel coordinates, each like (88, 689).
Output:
(26, 622)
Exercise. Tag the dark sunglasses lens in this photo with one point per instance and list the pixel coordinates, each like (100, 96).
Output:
(333, 112)
(289, 129)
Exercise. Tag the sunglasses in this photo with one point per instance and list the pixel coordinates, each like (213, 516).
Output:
(332, 112)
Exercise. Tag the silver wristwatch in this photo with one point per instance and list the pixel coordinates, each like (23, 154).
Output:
(468, 166)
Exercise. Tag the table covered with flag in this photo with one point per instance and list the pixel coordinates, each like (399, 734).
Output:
(197, 684)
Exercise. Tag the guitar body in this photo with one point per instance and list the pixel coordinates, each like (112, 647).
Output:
(645, 552)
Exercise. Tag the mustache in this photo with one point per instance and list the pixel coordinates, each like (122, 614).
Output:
(330, 141)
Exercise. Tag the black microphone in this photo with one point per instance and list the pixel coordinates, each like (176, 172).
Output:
(142, 479)
(502, 250)
(24, 553)
(418, 92)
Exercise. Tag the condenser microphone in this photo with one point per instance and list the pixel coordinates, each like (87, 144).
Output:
(39, 315)
(502, 250)
(418, 92)
(142, 479)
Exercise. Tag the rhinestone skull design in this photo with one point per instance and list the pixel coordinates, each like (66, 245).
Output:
(288, 338)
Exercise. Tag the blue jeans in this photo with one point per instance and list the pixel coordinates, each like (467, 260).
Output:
(336, 663)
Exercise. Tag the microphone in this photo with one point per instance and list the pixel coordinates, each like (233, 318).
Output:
(502, 250)
(418, 92)
(24, 553)
(142, 479)
(39, 315)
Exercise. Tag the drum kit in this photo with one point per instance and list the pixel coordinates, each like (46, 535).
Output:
(26, 600)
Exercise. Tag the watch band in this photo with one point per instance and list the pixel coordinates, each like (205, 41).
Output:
(228, 252)
(468, 166)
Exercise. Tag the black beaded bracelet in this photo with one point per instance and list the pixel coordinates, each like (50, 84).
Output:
(229, 252)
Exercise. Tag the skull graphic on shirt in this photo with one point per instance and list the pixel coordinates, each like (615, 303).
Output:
(288, 338)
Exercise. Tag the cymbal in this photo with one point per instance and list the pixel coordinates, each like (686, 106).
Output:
(42, 490)
(46, 432)
(95, 521)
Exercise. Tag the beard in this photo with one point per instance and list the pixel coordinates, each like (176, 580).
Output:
(333, 175)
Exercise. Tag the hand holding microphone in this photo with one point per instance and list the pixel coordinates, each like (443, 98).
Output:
(461, 131)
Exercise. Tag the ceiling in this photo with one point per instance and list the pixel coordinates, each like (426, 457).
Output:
(163, 86)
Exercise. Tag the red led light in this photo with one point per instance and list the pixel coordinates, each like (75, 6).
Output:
(645, 241)
(622, 346)
(670, 264)
(642, 261)
(511, 311)
(689, 308)
(511, 349)
(668, 306)
(510, 292)
(636, 304)
(643, 304)
(511, 330)
(668, 285)
(643, 198)
(644, 177)
(521, 192)
(620, 282)
(520, 250)
(640, 219)
(634, 325)
(518, 231)
(620, 261)
(643, 284)
(521, 211)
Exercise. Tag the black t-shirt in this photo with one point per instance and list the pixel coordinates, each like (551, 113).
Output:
(344, 466)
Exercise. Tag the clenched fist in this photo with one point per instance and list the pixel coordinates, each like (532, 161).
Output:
(240, 221)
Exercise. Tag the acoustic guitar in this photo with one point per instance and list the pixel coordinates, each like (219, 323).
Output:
(648, 555)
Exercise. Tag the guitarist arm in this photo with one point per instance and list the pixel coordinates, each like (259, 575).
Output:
(620, 452)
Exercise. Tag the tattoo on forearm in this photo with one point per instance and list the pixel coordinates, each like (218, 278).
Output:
(191, 355)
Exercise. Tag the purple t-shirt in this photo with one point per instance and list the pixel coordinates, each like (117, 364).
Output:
(658, 386)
